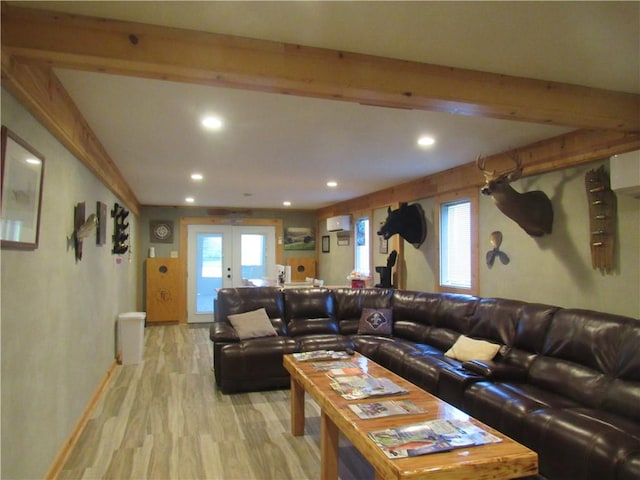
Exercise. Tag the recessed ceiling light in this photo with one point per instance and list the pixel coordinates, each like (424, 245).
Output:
(212, 123)
(196, 176)
(286, 203)
(426, 141)
(189, 199)
(332, 184)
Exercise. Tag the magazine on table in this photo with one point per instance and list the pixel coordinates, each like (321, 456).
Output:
(386, 408)
(326, 366)
(320, 355)
(356, 387)
(430, 437)
(351, 371)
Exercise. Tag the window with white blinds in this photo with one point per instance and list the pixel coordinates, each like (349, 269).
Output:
(455, 244)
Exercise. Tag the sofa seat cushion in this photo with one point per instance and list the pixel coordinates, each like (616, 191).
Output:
(255, 364)
(583, 443)
(424, 370)
(392, 355)
(307, 343)
(368, 345)
(505, 406)
(630, 468)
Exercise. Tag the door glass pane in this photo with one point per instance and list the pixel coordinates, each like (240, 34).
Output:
(208, 270)
(253, 256)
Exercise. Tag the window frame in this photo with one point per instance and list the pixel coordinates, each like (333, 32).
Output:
(357, 216)
(470, 194)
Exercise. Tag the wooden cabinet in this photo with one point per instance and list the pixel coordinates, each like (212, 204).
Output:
(165, 286)
(301, 268)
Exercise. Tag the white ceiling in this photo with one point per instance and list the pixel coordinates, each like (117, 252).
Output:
(275, 147)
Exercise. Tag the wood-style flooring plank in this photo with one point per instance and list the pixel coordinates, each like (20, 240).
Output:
(165, 419)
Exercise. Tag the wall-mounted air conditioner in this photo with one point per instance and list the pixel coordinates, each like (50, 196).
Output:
(625, 173)
(340, 223)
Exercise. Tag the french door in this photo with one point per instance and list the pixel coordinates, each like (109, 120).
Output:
(222, 256)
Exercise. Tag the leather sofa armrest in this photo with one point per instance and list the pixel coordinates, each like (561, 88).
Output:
(495, 370)
(223, 332)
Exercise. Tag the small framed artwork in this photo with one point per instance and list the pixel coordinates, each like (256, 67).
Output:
(326, 245)
(22, 180)
(384, 245)
(343, 240)
(161, 231)
(101, 234)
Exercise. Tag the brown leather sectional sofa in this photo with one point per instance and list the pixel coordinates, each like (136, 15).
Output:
(566, 382)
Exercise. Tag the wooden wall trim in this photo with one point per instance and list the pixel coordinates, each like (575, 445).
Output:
(150, 51)
(564, 151)
(62, 456)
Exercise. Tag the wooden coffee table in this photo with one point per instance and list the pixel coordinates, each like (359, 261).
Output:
(503, 460)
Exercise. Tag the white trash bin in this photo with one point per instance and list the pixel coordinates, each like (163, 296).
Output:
(130, 337)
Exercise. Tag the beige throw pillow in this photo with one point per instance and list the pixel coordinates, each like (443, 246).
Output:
(252, 324)
(466, 349)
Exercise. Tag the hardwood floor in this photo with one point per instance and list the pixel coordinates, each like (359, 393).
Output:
(165, 419)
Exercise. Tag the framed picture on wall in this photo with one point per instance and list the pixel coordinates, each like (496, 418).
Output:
(326, 245)
(384, 245)
(22, 180)
(299, 238)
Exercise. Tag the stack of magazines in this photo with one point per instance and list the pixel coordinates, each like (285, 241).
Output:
(354, 384)
(429, 437)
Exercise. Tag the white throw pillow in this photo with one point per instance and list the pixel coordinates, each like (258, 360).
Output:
(466, 349)
(252, 324)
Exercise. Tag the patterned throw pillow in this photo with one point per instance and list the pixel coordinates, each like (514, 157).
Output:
(376, 321)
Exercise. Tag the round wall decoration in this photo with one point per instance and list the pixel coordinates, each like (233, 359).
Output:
(161, 231)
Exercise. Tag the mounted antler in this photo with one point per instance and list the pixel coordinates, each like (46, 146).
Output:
(510, 175)
(531, 210)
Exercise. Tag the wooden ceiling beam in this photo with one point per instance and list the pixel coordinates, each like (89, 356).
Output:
(165, 53)
(37, 87)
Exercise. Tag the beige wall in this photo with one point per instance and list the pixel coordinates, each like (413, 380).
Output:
(58, 316)
(293, 218)
(555, 269)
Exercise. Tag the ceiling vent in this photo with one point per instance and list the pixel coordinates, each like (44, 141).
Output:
(341, 223)
(625, 173)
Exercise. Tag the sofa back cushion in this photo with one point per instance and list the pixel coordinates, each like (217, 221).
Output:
(351, 301)
(309, 311)
(496, 320)
(580, 355)
(453, 316)
(624, 391)
(412, 311)
(232, 301)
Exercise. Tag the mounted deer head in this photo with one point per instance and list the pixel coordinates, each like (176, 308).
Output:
(531, 210)
(407, 221)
